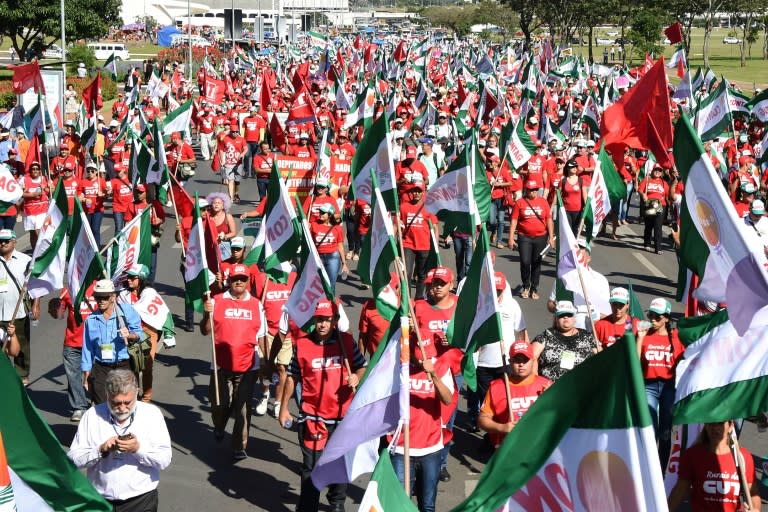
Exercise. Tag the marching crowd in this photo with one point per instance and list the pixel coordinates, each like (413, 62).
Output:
(110, 340)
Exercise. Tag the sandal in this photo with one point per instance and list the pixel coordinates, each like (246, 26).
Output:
(534, 296)
(524, 293)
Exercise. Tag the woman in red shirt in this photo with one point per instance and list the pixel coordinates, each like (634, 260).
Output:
(329, 240)
(499, 179)
(92, 192)
(532, 220)
(708, 477)
(660, 350)
(573, 192)
(121, 190)
(654, 191)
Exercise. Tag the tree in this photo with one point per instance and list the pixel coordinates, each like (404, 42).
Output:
(28, 21)
(459, 19)
(646, 31)
(528, 11)
(747, 12)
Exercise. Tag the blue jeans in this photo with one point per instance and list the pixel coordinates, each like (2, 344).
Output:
(7, 221)
(661, 398)
(332, 263)
(253, 149)
(262, 184)
(458, 380)
(119, 218)
(496, 219)
(75, 390)
(462, 248)
(624, 203)
(428, 469)
(94, 219)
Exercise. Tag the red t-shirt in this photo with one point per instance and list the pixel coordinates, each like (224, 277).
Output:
(252, 127)
(237, 327)
(71, 187)
(522, 397)
(276, 296)
(414, 219)
(93, 192)
(659, 355)
(714, 480)
(572, 195)
(262, 164)
(232, 148)
(372, 325)
(37, 205)
(327, 238)
(363, 212)
(313, 213)
(432, 323)
(608, 332)
(122, 195)
(655, 189)
(531, 216)
(73, 333)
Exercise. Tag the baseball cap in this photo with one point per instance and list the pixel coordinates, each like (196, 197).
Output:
(91, 165)
(327, 208)
(12, 151)
(743, 160)
(141, 188)
(571, 164)
(521, 348)
(304, 135)
(233, 127)
(7, 234)
(533, 184)
(238, 270)
(748, 188)
(139, 270)
(103, 287)
(410, 152)
(743, 137)
(533, 120)
(620, 295)
(660, 306)
(757, 207)
(202, 202)
(499, 280)
(34, 164)
(113, 123)
(321, 182)
(444, 274)
(325, 308)
(565, 307)
(237, 242)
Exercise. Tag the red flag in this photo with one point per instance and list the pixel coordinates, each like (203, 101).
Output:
(212, 252)
(214, 90)
(680, 68)
(301, 108)
(184, 204)
(674, 33)
(27, 76)
(340, 60)
(358, 44)
(277, 133)
(92, 95)
(265, 95)
(300, 75)
(33, 153)
(400, 52)
(648, 63)
(641, 118)
(462, 93)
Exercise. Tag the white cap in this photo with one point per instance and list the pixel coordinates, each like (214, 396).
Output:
(104, 286)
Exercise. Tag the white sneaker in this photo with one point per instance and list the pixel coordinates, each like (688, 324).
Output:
(261, 407)
(276, 411)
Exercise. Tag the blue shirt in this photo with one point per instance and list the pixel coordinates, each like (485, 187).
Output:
(5, 146)
(100, 332)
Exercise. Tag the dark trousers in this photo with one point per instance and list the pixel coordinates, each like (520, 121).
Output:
(653, 224)
(147, 502)
(21, 361)
(310, 495)
(416, 268)
(530, 260)
(97, 380)
(235, 392)
(484, 378)
(573, 221)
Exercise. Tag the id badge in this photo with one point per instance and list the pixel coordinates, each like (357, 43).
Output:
(568, 360)
(107, 352)
(4, 285)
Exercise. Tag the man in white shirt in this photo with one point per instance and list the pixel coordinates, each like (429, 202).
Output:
(757, 220)
(123, 444)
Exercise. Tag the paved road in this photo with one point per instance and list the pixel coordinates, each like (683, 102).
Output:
(203, 476)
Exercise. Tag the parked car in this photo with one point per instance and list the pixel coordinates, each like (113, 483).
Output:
(731, 40)
(622, 42)
(603, 41)
(103, 51)
(53, 52)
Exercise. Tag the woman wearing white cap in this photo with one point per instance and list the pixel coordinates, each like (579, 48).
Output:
(757, 220)
(660, 350)
(563, 346)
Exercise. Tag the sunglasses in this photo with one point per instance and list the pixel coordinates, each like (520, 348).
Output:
(654, 317)
(238, 279)
(101, 298)
(7, 241)
(565, 315)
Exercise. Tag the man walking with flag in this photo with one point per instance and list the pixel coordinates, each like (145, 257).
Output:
(329, 366)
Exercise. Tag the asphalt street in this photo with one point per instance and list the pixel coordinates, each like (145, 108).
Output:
(203, 476)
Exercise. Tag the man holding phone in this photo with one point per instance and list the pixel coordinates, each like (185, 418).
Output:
(123, 444)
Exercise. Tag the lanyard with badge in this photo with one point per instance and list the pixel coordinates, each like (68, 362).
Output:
(118, 454)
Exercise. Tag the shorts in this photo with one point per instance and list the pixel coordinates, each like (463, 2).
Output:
(34, 222)
(284, 353)
(232, 173)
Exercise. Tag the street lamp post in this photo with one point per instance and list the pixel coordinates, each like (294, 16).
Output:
(189, 41)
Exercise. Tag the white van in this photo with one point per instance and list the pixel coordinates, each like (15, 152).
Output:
(104, 50)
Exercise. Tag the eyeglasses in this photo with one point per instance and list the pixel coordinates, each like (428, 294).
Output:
(565, 315)
(654, 317)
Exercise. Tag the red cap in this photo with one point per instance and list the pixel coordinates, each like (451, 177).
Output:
(500, 281)
(521, 348)
(239, 270)
(141, 188)
(429, 276)
(410, 152)
(444, 274)
(233, 127)
(175, 136)
(533, 184)
(743, 160)
(12, 151)
(325, 308)
(35, 163)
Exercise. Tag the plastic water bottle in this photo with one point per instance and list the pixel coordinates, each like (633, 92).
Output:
(288, 423)
(34, 322)
(344, 274)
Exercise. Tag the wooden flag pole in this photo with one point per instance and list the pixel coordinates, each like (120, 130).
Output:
(213, 359)
(744, 496)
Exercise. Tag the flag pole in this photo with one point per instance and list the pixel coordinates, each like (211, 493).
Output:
(405, 361)
(581, 277)
(213, 350)
(744, 496)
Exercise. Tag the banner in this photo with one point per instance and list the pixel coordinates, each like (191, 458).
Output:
(302, 174)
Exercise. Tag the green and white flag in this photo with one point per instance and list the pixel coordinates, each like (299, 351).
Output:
(605, 192)
(521, 146)
(279, 237)
(197, 277)
(157, 172)
(111, 65)
(713, 115)
(312, 285)
(723, 375)
(587, 443)
(758, 106)
(41, 478)
(375, 153)
(132, 246)
(361, 111)
(85, 263)
(761, 150)
(384, 492)
(49, 256)
(378, 253)
(10, 190)
(178, 120)
(590, 114)
(479, 323)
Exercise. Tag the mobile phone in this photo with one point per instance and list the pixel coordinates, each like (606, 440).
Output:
(125, 437)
